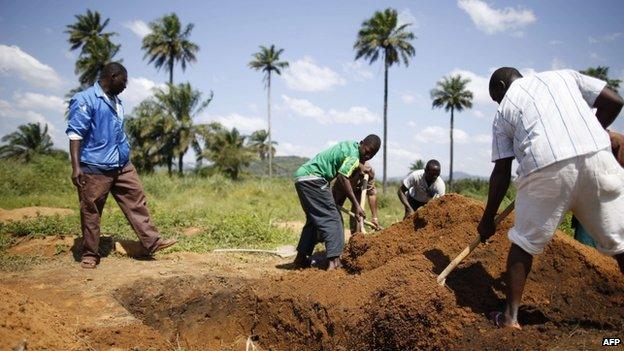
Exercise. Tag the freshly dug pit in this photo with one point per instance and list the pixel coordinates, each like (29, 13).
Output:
(388, 298)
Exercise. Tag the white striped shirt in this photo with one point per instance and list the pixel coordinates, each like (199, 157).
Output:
(546, 118)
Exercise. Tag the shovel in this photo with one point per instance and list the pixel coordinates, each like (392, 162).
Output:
(368, 223)
(282, 251)
(442, 277)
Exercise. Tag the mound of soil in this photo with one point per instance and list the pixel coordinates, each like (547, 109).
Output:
(388, 298)
(23, 213)
(41, 326)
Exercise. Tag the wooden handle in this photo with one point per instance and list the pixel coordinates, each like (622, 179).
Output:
(363, 201)
(370, 224)
(442, 277)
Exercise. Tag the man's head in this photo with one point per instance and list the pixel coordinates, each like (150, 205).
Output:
(432, 171)
(113, 78)
(501, 80)
(369, 147)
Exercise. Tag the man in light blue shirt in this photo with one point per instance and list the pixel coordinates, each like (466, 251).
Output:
(100, 157)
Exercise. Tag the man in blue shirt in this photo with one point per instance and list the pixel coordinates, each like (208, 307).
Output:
(100, 157)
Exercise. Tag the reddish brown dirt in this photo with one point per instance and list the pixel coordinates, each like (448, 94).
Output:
(389, 299)
(19, 214)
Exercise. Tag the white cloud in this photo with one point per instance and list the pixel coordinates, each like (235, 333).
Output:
(290, 149)
(407, 98)
(353, 115)
(14, 61)
(478, 85)
(605, 38)
(139, 89)
(357, 71)
(440, 135)
(35, 101)
(527, 71)
(555, 42)
(305, 75)
(244, 124)
(9, 112)
(491, 21)
(138, 27)
(594, 56)
(478, 114)
(557, 63)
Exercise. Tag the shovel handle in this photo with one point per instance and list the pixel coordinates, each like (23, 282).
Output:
(363, 201)
(368, 223)
(462, 255)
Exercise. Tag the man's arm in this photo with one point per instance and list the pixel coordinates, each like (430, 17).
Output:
(74, 152)
(499, 182)
(346, 185)
(608, 105)
(401, 193)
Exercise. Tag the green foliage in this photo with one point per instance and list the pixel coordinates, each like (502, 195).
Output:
(229, 153)
(42, 226)
(451, 93)
(169, 43)
(267, 60)
(283, 166)
(418, 164)
(97, 49)
(29, 140)
(381, 35)
(602, 72)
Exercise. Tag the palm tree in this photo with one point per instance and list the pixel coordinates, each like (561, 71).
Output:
(181, 104)
(418, 164)
(87, 28)
(258, 140)
(267, 60)
(148, 130)
(94, 56)
(602, 72)
(452, 94)
(29, 139)
(381, 35)
(229, 153)
(168, 43)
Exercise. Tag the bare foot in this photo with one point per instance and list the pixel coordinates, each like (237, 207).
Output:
(499, 320)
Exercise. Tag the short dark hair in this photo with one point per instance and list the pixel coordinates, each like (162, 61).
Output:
(504, 74)
(432, 163)
(112, 68)
(372, 140)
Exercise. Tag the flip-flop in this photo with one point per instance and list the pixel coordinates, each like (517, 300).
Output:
(497, 319)
(88, 264)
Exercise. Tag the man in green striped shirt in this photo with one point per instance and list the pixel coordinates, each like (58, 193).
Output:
(312, 183)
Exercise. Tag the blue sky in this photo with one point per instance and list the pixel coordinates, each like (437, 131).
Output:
(324, 96)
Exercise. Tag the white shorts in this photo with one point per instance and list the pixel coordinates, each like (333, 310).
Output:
(592, 186)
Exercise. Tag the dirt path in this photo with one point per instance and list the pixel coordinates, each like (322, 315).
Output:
(85, 301)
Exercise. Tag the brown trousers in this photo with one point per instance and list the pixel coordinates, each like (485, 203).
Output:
(126, 188)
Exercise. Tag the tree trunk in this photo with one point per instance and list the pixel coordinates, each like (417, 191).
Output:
(451, 163)
(169, 164)
(180, 164)
(171, 71)
(385, 124)
(269, 132)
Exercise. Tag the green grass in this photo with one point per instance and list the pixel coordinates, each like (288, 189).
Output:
(226, 213)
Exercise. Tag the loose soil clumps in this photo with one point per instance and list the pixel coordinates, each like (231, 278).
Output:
(388, 297)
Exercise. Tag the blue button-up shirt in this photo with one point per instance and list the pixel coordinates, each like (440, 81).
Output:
(99, 122)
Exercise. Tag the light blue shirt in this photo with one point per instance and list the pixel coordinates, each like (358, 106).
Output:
(99, 123)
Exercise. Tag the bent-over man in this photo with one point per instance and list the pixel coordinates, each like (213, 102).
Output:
(357, 182)
(312, 184)
(545, 121)
(420, 187)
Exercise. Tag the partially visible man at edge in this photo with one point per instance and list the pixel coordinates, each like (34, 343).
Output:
(357, 182)
(545, 121)
(100, 158)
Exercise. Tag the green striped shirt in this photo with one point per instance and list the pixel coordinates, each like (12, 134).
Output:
(341, 158)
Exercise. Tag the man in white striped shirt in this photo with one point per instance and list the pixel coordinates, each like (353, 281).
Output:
(546, 123)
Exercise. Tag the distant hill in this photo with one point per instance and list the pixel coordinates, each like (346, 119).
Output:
(283, 166)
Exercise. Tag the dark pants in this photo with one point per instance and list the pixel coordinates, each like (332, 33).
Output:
(322, 216)
(126, 188)
(340, 200)
(414, 204)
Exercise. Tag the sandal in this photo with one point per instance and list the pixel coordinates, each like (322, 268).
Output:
(497, 319)
(88, 264)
